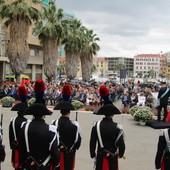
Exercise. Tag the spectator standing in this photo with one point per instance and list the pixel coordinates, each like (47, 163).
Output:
(163, 95)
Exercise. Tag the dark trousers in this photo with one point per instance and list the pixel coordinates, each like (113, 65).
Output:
(164, 106)
(167, 162)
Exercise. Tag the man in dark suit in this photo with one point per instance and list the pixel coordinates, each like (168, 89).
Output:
(39, 141)
(163, 95)
(70, 137)
(108, 137)
(162, 159)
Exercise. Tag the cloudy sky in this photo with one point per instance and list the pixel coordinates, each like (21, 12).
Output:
(125, 27)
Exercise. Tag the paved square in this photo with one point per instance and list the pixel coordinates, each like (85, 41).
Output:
(141, 141)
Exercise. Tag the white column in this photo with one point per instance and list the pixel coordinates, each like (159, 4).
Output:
(33, 72)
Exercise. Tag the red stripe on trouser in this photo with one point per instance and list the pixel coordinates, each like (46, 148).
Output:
(163, 164)
(105, 164)
(73, 163)
(61, 160)
(16, 158)
(117, 164)
(51, 167)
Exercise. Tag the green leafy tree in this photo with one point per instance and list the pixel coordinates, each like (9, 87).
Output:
(151, 73)
(18, 17)
(140, 74)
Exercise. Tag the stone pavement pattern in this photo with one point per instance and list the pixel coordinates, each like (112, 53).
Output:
(141, 141)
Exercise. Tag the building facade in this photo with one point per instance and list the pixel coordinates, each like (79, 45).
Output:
(168, 64)
(163, 66)
(126, 62)
(144, 63)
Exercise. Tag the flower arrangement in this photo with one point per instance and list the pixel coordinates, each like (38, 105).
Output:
(31, 101)
(7, 101)
(134, 109)
(143, 114)
(77, 104)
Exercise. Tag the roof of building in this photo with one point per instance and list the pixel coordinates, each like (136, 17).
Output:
(148, 55)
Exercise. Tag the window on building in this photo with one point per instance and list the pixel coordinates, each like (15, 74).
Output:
(31, 52)
(34, 52)
(38, 67)
(29, 66)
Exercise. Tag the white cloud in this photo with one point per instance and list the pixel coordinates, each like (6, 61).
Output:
(125, 27)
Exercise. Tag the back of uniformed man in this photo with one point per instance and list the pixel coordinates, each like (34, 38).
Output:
(39, 141)
(162, 159)
(70, 138)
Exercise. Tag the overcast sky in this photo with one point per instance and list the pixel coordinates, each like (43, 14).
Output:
(125, 27)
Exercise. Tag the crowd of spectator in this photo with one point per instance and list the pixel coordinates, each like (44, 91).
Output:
(129, 93)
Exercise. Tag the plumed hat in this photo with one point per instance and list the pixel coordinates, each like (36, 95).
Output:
(37, 109)
(103, 91)
(64, 105)
(108, 110)
(66, 90)
(22, 91)
(20, 107)
(39, 86)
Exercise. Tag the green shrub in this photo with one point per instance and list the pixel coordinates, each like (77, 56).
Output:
(77, 104)
(7, 99)
(31, 101)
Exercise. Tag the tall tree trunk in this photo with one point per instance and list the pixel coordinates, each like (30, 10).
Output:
(18, 79)
(71, 65)
(18, 49)
(50, 59)
(86, 67)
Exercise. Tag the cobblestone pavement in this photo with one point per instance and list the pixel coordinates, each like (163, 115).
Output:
(141, 141)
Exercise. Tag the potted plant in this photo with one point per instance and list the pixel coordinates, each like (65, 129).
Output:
(7, 101)
(31, 101)
(77, 104)
(143, 116)
(134, 109)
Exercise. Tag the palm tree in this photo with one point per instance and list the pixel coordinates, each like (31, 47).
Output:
(89, 48)
(50, 30)
(119, 66)
(18, 16)
(72, 43)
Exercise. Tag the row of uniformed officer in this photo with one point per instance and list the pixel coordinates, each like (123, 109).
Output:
(42, 146)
